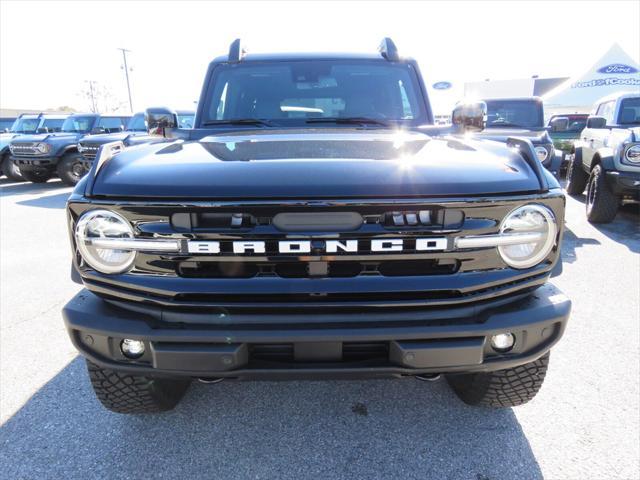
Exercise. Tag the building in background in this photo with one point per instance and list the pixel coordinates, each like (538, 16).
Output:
(520, 87)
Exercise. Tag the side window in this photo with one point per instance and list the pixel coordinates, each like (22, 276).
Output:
(111, 124)
(606, 110)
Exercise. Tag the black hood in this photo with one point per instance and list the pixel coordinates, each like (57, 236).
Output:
(317, 164)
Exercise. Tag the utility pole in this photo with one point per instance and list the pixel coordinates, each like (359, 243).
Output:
(92, 95)
(126, 73)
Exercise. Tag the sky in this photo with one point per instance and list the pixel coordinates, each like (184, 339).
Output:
(48, 50)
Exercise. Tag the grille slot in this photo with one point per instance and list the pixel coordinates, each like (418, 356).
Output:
(301, 269)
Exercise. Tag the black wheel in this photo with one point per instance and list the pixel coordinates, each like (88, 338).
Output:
(71, 169)
(602, 204)
(503, 388)
(124, 393)
(576, 176)
(11, 170)
(35, 176)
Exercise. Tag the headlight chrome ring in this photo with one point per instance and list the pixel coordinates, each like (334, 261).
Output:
(531, 218)
(104, 225)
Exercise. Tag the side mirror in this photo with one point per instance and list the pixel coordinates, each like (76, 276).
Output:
(559, 124)
(469, 116)
(596, 122)
(159, 119)
(42, 130)
(97, 130)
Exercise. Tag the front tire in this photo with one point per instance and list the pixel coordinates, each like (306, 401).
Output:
(124, 393)
(35, 176)
(503, 388)
(602, 204)
(11, 170)
(576, 176)
(70, 169)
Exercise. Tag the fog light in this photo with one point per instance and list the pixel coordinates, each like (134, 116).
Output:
(132, 348)
(503, 342)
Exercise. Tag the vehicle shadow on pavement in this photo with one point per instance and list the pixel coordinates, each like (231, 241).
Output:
(362, 429)
(624, 229)
(571, 242)
(50, 201)
(8, 187)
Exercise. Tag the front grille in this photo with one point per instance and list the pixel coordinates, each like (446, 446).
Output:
(269, 280)
(25, 149)
(301, 269)
(88, 152)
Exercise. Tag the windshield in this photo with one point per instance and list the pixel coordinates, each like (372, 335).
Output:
(137, 123)
(78, 124)
(52, 124)
(291, 92)
(25, 125)
(514, 113)
(577, 123)
(629, 111)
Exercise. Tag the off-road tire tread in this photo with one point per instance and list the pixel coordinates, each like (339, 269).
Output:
(502, 388)
(63, 169)
(577, 178)
(605, 205)
(133, 394)
(6, 170)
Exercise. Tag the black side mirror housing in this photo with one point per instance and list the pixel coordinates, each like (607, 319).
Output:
(469, 116)
(97, 130)
(42, 130)
(159, 119)
(559, 124)
(596, 122)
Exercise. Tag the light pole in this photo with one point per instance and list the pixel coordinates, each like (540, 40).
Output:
(126, 73)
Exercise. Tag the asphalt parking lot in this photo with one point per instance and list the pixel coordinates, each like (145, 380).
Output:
(584, 424)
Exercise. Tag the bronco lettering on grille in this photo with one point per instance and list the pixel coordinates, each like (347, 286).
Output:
(327, 246)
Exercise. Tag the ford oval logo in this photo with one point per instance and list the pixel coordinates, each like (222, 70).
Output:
(442, 85)
(617, 68)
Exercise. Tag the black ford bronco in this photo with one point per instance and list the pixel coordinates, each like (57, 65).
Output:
(43, 155)
(315, 224)
(135, 133)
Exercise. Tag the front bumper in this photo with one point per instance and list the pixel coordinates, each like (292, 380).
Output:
(624, 183)
(325, 350)
(36, 163)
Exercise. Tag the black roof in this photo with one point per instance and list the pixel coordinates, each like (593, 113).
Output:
(299, 56)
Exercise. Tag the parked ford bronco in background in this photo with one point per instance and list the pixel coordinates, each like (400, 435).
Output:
(564, 130)
(135, 133)
(41, 156)
(315, 224)
(607, 157)
(521, 117)
(5, 123)
(25, 124)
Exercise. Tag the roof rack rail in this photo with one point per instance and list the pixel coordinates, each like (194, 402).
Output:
(236, 51)
(389, 50)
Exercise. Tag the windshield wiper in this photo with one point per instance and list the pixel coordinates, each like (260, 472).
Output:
(348, 121)
(506, 124)
(238, 121)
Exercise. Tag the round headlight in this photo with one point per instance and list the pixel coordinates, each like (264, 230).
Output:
(632, 155)
(529, 219)
(101, 224)
(541, 153)
(42, 147)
